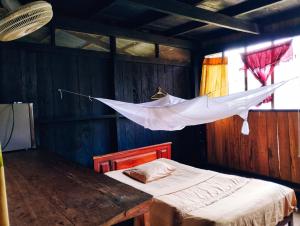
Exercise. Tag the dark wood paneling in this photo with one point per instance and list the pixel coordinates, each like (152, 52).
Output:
(137, 82)
(271, 148)
(45, 101)
(78, 128)
(11, 71)
(35, 75)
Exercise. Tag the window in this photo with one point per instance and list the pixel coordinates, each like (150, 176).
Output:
(288, 96)
(174, 54)
(135, 48)
(79, 40)
(285, 97)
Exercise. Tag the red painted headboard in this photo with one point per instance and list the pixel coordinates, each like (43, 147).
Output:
(131, 158)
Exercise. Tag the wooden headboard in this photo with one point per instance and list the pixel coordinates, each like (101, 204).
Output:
(131, 158)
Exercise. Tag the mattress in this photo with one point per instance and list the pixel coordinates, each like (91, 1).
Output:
(192, 196)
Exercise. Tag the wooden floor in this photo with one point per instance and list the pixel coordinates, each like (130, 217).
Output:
(43, 189)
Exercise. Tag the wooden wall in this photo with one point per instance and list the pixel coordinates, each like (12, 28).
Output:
(77, 128)
(271, 148)
(136, 82)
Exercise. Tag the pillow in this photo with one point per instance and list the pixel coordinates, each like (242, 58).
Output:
(150, 171)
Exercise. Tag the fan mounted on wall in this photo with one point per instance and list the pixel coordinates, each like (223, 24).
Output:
(19, 20)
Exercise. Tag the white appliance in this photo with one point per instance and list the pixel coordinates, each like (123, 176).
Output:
(16, 126)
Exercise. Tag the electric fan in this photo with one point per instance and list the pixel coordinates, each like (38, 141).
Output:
(23, 20)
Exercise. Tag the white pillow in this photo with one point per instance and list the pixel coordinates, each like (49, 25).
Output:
(150, 171)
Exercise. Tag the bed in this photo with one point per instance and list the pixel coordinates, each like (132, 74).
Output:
(192, 196)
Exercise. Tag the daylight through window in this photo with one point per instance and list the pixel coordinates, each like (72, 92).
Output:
(287, 96)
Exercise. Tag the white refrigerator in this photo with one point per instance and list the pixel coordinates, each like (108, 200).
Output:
(16, 126)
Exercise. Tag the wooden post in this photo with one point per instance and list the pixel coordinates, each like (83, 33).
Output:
(196, 73)
(156, 50)
(113, 51)
(52, 30)
(142, 220)
(4, 219)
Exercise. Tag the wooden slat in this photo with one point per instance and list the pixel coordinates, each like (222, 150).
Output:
(219, 142)
(234, 146)
(252, 148)
(284, 146)
(197, 14)
(29, 78)
(210, 144)
(45, 100)
(65, 76)
(293, 125)
(244, 145)
(272, 141)
(11, 76)
(271, 148)
(262, 159)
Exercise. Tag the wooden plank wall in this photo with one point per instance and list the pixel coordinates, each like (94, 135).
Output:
(271, 149)
(137, 82)
(64, 126)
(77, 128)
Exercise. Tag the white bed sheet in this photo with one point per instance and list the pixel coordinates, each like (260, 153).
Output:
(192, 196)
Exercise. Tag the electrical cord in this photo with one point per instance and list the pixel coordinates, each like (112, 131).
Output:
(12, 127)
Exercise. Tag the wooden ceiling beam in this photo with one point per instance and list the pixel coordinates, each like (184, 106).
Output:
(152, 16)
(177, 8)
(104, 5)
(148, 17)
(283, 17)
(74, 24)
(235, 10)
(281, 25)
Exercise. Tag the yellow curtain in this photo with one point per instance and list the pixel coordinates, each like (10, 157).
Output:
(214, 79)
(4, 220)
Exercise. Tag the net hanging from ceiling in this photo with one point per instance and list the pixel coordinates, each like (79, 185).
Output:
(172, 113)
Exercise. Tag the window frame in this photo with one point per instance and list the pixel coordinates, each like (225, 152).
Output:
(246, 75)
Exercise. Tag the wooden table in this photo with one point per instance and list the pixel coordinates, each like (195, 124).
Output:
(43, 189)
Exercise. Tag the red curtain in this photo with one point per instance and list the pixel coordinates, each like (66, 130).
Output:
(262, 63)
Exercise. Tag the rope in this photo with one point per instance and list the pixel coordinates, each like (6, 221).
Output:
(61, 91)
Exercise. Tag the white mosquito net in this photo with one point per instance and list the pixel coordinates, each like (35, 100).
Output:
(173, 113)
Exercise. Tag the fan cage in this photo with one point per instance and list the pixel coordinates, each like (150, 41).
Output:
(25, 20)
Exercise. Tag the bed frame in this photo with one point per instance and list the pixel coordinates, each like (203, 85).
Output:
(131, 158)
(138, 156)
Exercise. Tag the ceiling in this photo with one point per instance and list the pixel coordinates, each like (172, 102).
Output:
(173, 23)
